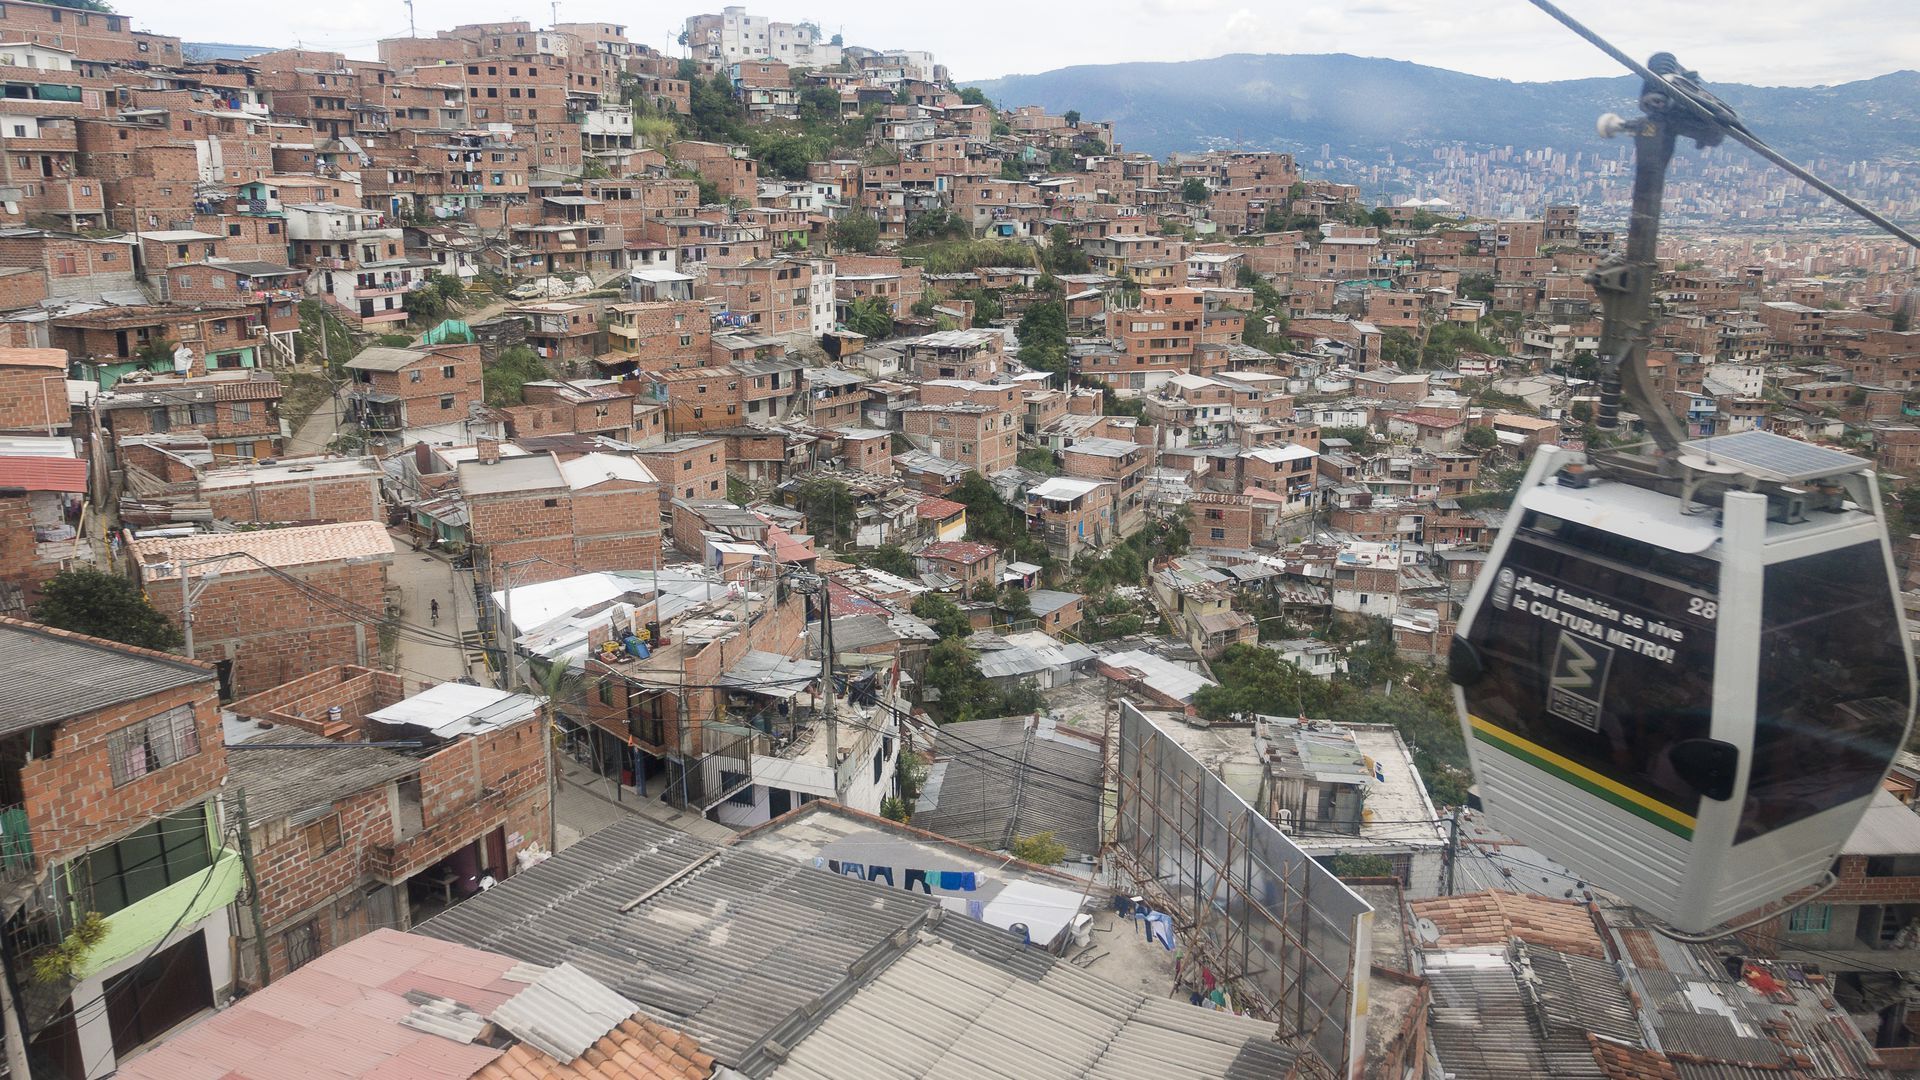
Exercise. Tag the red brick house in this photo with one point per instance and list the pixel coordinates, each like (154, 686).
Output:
(550, 519)
(274, 604)
(113, 760)
(969, 562)
(350, 839)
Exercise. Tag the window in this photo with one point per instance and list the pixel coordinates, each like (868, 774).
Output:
(1810, 919)
(446, 372)
(446, 402)
(1217, 534)
(152, 857)
(204, 414)
(1833, 693)
(550, 503)
(606, 693)
(324, 836)
(414, 376)
(152, 744)
(243, 412)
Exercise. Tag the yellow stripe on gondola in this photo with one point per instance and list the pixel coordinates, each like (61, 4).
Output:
(1639, 804)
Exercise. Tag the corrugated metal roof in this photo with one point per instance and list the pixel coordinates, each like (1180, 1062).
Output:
(942, 1010)
(563, 1012)
(450, 709)
(47, 676)
(765, 960)
(292, 783)
(999, 780)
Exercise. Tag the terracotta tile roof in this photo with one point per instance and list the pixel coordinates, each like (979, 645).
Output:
(43, 473)
(964, 552)
(1494, 918)
(938, 509)
(297, 546)
(638, 1049)
(1619, 1061)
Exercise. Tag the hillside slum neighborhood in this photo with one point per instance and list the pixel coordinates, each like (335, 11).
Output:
(531, 556)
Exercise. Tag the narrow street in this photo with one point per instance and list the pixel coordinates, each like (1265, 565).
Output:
(317, 430)
(420, 580)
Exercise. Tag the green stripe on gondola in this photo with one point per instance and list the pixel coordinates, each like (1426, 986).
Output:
(1677, 822)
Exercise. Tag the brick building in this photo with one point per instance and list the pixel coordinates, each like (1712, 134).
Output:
(982, 438)
(236, 411)
(537, 518)
(351, 839)
(689, 467)
(33, 391)
(306, 490)
(112, 777)
(401, 390)
(275, 604)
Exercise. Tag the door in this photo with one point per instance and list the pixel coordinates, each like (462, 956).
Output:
(779, 801)
(497, 853)
(146, 1002)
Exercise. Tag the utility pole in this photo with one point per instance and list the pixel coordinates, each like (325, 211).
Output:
(1453, 849)
(253, 883)
(410, 30)
(189, 592)
(826, 687)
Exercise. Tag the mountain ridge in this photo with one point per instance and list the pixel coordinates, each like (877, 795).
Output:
(1368, 107)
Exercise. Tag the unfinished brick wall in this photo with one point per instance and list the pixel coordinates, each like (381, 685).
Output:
(274, 631)
(518, 526)
(615, 526)
(303, 702)
(32, 394)
(70, 798)
(338, 498)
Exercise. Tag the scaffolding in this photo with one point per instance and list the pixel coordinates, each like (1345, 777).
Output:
(1288, 940)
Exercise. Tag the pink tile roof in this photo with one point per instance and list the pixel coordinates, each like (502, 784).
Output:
(339, 1016)
(298, 546)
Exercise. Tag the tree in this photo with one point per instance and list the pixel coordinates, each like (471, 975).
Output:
(1194, 190)
(942, 614)
(1040, 848)
(514, 368)
(1039, 460)
(1360, 866)
(1072, 118)
(869, 316)
(957, 691)
(88, 601)
(1063, 256)
(829, 506)
(1015, 604)
(1398, 348)
(83, 5)
(1480, 438)
(1043, 337)
(786, 156)
(857, 231)
(1011, 170)
(973, 95)
(893, 560)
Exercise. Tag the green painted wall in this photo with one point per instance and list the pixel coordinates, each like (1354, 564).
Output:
(133, 930)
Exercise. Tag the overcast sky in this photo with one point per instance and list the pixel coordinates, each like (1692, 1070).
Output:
(1769, 42)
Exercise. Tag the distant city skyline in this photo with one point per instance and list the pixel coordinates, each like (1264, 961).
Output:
(1764, 42)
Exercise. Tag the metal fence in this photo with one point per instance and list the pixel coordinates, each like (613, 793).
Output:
(1288, 939)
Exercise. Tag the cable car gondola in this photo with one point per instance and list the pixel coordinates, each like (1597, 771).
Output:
(1683, 673)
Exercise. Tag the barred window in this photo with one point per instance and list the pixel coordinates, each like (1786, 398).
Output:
(153, 744)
